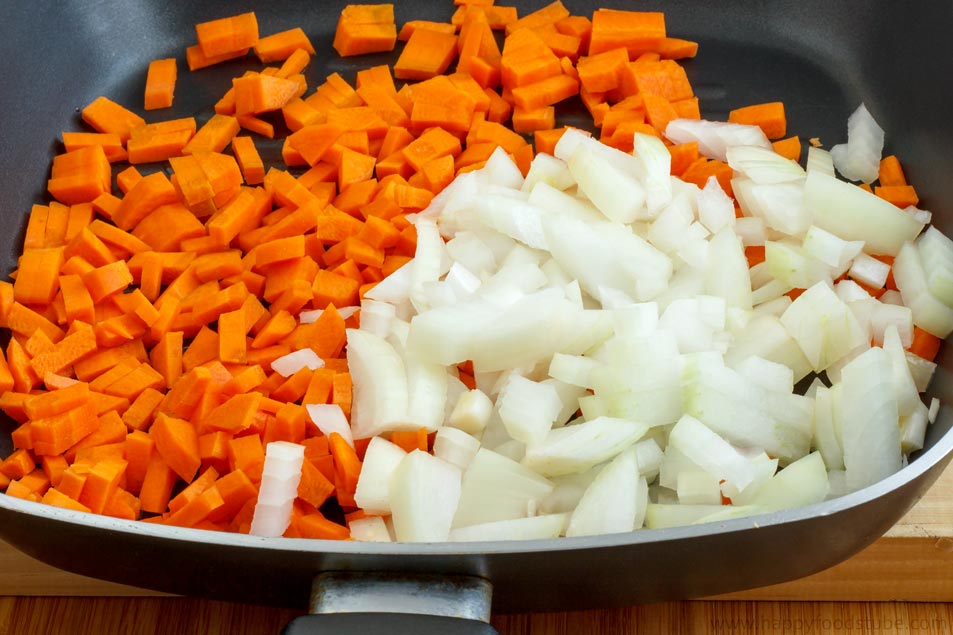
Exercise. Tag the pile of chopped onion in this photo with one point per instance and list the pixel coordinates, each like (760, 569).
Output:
(631, 370)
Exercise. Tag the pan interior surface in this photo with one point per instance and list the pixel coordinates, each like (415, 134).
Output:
(821, 59)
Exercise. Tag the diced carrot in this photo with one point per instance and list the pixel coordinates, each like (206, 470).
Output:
(160, 84)
(769, 117)
(248, 455)
(227, 35)
(177, 444)
(410, 440)
(111, 143)
(637, 31)
(107, 116)
(925, 345)
(427, 53)
(900, 195)
(365, 28)
(891, 172)
(789, 148)
(279, 46)
(157, 485)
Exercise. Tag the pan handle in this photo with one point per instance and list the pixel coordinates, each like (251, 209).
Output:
(352, 603)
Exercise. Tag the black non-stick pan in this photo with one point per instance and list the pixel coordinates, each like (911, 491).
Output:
(820, 58)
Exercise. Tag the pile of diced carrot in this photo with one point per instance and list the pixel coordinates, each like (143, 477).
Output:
(144, 321)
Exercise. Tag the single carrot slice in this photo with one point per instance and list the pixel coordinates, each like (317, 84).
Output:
(279, 46)
(227, 35)
(769, 117)
(105, 115)
(365, 28)
(925, 345)
(177, 444)
(160, 84)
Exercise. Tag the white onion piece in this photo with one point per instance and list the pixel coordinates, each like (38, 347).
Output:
(710, 452)
(801, 483)
(661, 516)
(921, 369)
(715, 137)
(667, 232)
(472, 412)
(279, 488)
(779, 423)
(929, 313)
(823, 326)
(727, 275)
(859, 158)
(547, 169)
(330, 418)
(913, 429)
(573, 369)
(830, 249)
(791, 264)
(936, 254)
(288, 365)
(696, 487)
(426, 392)
(716, 209)
(369, 529)
(533, 528)
(614, 502)
(870, 425)
(373, 485)
(780, 205)
(933, 410)
(655, 169)
(395, 288)
(819, 160)
(380, 385)
(569, 395)
(648, 455)
(854, 214)
(825, 436)
(578, 447)
(377, 317)
(467, 250)
(763, 165)
(870, 271)
(497, 488)
(512, 216)
(750, 230)
(502, 171)
(616, 194)
(424, 518)
(904, 387)
(455, 447)
(310, 317)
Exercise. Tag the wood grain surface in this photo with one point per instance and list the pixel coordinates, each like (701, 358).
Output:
(912, 563)
(160, 616)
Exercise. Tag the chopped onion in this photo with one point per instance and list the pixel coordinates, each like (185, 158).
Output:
(373, 486)
(288, 365)
(614, 502)
(330, 418)
(424, 518)
(608, 311)
(279, 488)
(715, 137)
(859, 158)
(533, 528)
(853, 214)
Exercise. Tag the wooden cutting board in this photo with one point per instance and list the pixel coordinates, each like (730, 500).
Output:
(912, 562)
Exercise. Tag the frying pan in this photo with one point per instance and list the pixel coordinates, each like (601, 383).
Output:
(820, 58)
